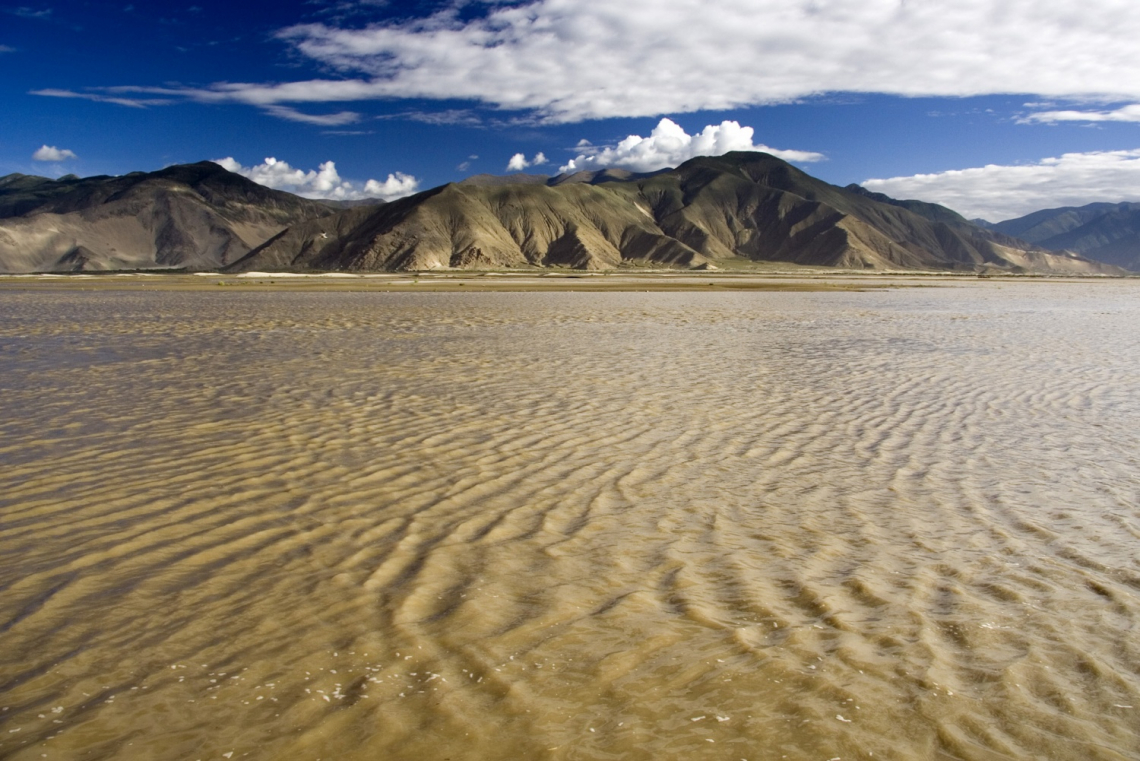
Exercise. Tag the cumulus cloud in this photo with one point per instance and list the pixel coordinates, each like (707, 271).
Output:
(1130, 113)
(51, 153)
(324, 182)
(669, 145)
(518, 162)
(397, 185)
(997, 192)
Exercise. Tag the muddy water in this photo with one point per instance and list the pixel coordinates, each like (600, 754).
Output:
(889, 525)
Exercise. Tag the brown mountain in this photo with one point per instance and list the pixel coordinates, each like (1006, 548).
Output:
(195, 216)
(739, 206)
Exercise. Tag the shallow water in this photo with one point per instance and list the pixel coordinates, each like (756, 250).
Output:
(893, 525)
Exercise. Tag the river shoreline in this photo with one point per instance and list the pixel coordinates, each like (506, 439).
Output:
(812, 280)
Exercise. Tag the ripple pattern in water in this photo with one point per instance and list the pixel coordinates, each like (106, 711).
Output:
(889, 525)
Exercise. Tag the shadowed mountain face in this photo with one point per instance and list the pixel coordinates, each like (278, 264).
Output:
(1106, 232)
(196, 216)
(741, 205)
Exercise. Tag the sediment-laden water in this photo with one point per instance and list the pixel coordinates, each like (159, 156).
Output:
(893, 525)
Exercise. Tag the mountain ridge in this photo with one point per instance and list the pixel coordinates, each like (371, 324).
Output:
(196, 216)
(1108, 232)
(741, 206)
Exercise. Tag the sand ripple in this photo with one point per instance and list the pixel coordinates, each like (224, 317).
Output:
(571, 526)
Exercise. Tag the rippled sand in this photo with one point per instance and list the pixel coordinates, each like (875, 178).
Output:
(894, 525)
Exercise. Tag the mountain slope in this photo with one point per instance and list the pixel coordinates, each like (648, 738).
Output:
(197, 216)
(465, 226)
(1106, 232)
(741, 205)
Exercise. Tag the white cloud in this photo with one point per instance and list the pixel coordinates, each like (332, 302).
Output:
(397, 185)
(1130, 113)
(7, 49)
(119, 101)
(324, 182)
(325, 120)
(570, 60)
(454, 116)
(518, 162)
(669, 145)
(51, 153)
(997, 192)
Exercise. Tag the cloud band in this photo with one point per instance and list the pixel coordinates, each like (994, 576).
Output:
(998, 192)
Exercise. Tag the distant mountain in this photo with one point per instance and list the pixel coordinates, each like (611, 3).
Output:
(741, 205)
(196, 216)
(1106, 232)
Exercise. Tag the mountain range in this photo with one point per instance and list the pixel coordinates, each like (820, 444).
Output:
(706, 213)
(1106, 232)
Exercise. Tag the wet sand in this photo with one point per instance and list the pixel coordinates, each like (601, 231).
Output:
(306, 522)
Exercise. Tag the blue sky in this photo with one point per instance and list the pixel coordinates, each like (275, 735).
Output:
(994, 108)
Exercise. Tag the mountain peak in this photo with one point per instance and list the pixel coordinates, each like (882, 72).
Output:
(189, 215)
